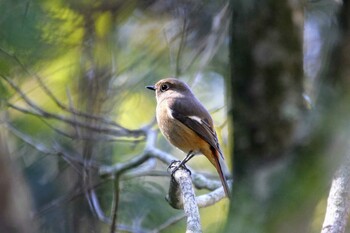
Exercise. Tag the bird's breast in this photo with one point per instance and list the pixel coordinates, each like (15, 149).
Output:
(176, 132)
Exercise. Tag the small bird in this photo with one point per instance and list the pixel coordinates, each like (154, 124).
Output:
(186, 124)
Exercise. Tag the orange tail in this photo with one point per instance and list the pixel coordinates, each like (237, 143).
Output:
(219, 167)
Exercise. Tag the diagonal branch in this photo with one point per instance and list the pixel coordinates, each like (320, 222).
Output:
(56, 100)
(118, 131)
(56, 149)
(150, 151)
(107, 130)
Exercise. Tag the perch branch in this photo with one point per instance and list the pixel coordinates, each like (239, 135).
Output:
(185, 194)
(338, 203)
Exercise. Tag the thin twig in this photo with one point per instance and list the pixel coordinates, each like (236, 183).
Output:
(143, 173)
(119, 168)
(53, 97)
(76, 129)
(119, 131)
(56, 149)
(114, 132)
(150, 151)
(115, 204)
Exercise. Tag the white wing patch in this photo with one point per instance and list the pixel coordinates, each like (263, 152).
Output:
(213, 140)
(195, 118)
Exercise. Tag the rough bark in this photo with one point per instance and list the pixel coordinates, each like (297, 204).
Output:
(182, 195)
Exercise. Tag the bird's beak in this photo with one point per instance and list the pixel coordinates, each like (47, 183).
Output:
(151, 88)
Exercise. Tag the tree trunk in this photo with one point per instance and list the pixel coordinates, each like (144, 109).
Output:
(267, 81)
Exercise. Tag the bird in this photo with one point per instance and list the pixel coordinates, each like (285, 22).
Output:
(187, 124)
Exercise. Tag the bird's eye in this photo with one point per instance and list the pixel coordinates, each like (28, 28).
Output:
(164, 87)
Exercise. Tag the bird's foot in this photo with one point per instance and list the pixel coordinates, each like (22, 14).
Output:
(175, 165)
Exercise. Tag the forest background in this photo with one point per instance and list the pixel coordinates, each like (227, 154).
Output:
(80, 150)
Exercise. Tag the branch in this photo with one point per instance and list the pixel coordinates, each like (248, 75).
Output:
(338, 203)
(210, 46)
(200, 181)
(182, 177)
(40, 112)
(107, 130)
(55, 149)
(54, 98)
(145, 162)
(119, 168)
(211, 198)
(204, 200)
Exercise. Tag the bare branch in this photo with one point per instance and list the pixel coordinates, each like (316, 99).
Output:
(209, 47)
(55, 149)
(185, 195)
(175, 200)
(107, 130)
(76, 129)
(53, 97)
(211, 198)
(217, 34)
(37, 145)
(143, 172)
(119, 168)
(338, 203)
(118, 131)
(150, 151)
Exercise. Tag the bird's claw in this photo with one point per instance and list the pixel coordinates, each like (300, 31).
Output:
(175, 165)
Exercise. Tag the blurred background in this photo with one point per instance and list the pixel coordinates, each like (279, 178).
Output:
(73, 99)
(73, 73)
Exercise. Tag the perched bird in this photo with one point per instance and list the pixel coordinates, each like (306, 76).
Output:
(186, 124)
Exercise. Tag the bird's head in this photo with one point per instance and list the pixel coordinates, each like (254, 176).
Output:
(170, 87)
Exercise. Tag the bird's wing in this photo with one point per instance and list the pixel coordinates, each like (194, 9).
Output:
(196, 118)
